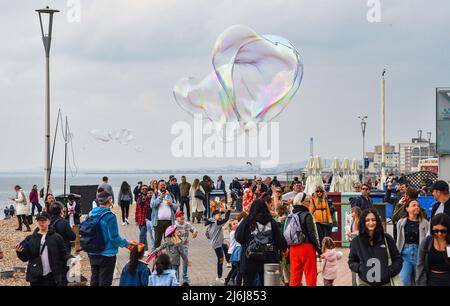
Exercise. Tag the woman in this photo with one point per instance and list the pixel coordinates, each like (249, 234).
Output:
(373, 253)
(125, 200)
(411, 231)
(73, 214)
(49, 200)
(277, 192)
(247, 200)
(320, 209)
(196, 204)
(23, 208)
(258, 224)
(34, 200)
(433, 266)
(45, 253)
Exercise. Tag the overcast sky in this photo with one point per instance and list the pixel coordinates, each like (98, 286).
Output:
(116, 69)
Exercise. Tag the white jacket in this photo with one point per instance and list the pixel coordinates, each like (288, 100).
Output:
(196, 204)
(22, 205)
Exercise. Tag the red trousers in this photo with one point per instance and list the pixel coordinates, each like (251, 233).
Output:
(303, 260)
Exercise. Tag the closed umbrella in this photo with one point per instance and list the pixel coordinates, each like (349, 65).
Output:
(346, 178)
(319, 168)
(355, 172)
(335, 182)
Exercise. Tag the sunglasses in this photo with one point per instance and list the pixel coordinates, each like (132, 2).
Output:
(319, 191)
(437, 231)
(365, 189)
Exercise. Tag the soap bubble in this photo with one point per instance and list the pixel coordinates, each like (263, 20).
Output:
(122, 136)
(254, 78)
(101, 135)
(139, 149)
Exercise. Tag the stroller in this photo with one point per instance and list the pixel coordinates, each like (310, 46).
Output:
(236, 199)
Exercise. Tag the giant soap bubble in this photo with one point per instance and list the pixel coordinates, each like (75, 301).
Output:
(253, 79)
(122, 136)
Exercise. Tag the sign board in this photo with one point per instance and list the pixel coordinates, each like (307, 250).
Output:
(443, 121)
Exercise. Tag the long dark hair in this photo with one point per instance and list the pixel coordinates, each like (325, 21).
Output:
(379, 231)
(135, 255)
(162, 263)
(258, 212)
(444, 220)
(125, 187)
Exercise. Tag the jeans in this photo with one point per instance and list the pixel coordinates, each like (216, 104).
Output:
(409, 255)
(143, 236)
(102, 270)
(151, 232)
(185, 201)
(185, 266)
(36, 205)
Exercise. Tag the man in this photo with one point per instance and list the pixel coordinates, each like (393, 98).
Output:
(174, 189)
(357, 187)
(291, 195)
(363, 201)
(185, 187)
(220, 184)
(103, 263)
(140, 215)
(276, 182)
(236, 190)
(137, 191)
(440, 192)
(395, 201)
(163, 211)
(259, 187)
(106, 187)
(268, 183)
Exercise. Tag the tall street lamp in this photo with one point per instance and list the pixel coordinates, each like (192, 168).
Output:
(429, 144)
(363, 130)
(419, 134)
(46, 22)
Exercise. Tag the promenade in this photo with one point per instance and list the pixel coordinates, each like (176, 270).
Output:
(203, 269)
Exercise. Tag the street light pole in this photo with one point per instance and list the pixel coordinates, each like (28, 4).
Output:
(419, 133)
(383, 102)
(429, 144)
(46, 39)
(363, 130)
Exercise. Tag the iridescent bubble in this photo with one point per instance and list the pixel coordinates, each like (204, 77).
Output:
(122, 136)
(254, 78)
(101, 135)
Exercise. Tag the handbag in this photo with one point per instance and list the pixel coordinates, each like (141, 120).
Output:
(396, 280)
(35, 268)
(199, 194)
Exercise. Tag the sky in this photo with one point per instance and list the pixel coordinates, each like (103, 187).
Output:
(116, 69)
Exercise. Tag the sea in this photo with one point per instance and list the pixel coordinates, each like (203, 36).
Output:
(27, 180)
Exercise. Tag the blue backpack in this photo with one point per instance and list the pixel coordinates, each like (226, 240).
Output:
(91, 236)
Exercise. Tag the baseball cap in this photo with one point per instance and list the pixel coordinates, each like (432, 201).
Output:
(440, 185)
(42, 216)
(179, 214)
(215, 212)
(103, 197)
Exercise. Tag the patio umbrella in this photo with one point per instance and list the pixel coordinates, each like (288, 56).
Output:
(310, 170)
(319, 168)
(335, 182)
(346, 178)
(355, 171)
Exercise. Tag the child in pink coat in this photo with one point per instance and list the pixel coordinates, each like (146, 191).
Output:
(330, 259)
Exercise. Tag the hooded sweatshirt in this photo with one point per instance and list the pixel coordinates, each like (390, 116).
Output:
(110, 232)
(167, 278)
(330, 264)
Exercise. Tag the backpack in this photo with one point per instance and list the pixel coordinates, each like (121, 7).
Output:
(261, 243)
(91, 236)
(293, 232)
(208, 231)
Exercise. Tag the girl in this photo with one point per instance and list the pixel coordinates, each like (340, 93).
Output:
(163, 275)
(174, 248)
(330, 257)
(135, 272)
(356, 214)
(234, 252)
(282, 213)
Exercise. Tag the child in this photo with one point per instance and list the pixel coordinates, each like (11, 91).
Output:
(282, 213)
(215, 233)
(235, 253)
(173, 248)
(355, 213)
(163, 275)
(135, 272)
(185, 227)
(330, 257)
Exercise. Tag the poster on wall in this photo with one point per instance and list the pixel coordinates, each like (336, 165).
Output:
(443, 120)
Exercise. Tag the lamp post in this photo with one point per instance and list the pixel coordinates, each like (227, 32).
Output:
(419, 134)
(429, 144)
(363, 130)
(46, 15)
(383, 138)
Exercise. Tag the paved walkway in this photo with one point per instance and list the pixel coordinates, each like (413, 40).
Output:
(203, 269)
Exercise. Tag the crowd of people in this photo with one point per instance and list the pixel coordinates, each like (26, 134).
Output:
(277, 225)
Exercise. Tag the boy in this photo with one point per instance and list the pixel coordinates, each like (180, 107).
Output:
(185, 227)
(215, 232)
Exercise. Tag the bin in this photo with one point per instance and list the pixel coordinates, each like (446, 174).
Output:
(216, 201)
(272, 275)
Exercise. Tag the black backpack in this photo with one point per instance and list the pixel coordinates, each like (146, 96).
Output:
(261, 243)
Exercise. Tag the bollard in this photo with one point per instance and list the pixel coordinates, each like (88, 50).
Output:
(272, 275)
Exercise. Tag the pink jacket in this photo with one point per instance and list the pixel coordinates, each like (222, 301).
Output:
(330, 264)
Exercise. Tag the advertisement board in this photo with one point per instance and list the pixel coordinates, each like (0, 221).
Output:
(443, 120)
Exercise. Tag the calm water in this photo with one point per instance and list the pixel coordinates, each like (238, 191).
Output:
(26, 181)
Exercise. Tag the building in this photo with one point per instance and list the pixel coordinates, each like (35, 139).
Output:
(392, 159)
(411, 153)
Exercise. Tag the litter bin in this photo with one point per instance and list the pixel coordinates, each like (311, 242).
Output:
(216, 200)
(272, 275)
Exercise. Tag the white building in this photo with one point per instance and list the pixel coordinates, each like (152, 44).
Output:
(412, 153)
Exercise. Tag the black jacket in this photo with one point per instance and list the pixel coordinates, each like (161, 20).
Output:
(243, 236)
(175, 191)
(264, 188)
(362, 255)
(76, 215)
(63, 228)
(57, 254)
(436, 206)
(309, 227)
(361, 202)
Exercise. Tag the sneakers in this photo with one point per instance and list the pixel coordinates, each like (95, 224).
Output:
(229, 265)
(220, 280)
(126, 220)
(123, 224)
